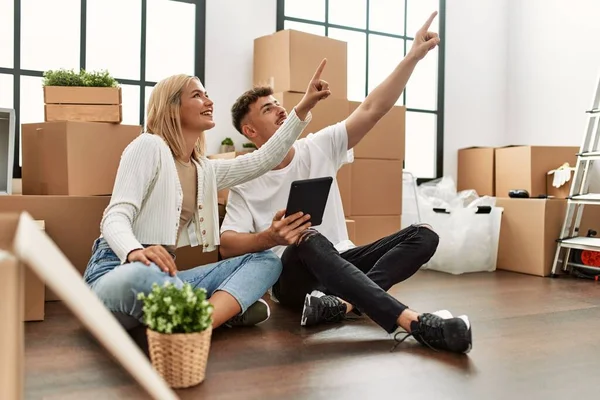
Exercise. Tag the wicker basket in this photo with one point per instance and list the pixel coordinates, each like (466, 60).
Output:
(180, 358)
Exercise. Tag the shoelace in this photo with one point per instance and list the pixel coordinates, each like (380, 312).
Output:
(406, 336)
(429, 326)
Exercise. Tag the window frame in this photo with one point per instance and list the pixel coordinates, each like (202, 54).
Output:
(17, 72)
(439, 112)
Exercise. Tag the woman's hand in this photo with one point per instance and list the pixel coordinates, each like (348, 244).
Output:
(156, 254)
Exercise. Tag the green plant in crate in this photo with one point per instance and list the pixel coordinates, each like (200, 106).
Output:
(168, 309)
(227, 142)
(63, 77)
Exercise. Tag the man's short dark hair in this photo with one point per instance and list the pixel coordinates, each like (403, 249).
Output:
(241, 107)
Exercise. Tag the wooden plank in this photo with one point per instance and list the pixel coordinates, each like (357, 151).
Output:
(82, 95)
(87, 113)
(35, 249)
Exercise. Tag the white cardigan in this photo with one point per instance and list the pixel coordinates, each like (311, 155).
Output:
(147, 197)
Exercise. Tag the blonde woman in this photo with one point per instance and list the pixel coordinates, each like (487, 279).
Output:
(165, 196)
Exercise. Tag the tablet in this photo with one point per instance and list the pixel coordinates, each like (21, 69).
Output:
(310, 197)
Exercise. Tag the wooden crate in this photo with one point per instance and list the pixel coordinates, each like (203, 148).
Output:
(83, 113)
(91, 104)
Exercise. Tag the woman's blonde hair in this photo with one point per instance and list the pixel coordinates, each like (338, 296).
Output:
(164, 118)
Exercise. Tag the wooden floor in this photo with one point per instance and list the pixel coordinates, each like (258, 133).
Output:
(534, 338)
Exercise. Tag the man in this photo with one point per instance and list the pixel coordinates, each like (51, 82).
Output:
(324, 280)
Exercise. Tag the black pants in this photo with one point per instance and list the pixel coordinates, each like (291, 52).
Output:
(361, 276)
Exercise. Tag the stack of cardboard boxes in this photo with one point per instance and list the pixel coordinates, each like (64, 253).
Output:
(68, 171)
(371, 186)
(530, 226)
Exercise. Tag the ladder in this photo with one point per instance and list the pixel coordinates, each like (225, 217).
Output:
(579, 197)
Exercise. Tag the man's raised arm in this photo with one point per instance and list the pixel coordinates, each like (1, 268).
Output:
(385, 95)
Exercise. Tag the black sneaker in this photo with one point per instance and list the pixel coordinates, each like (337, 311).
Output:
(441, 331)
(319, 308)
(256, 314)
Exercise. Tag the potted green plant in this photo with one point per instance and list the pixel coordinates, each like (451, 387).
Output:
(81, 96)
(249, 146)
(227, 145)
(179, 330)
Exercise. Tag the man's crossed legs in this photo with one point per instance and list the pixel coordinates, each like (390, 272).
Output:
(359, 279)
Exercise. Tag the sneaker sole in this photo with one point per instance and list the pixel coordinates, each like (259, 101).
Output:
(303, 319)
(468, 323)
(268, 312)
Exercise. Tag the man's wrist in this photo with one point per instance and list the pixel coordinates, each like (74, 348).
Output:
(266, 239)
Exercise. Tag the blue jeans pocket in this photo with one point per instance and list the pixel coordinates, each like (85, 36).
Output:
(103, 260)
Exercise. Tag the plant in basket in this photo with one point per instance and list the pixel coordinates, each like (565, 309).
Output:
(179, 329)
(81, 96)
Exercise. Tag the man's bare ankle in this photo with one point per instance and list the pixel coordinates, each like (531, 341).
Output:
(406, 317)
(349, 306)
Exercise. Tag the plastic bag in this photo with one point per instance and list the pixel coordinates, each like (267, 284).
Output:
(468, 227)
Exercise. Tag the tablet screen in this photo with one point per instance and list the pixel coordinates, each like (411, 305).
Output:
(310, 197)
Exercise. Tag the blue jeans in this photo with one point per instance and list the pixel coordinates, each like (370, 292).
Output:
(246, 278)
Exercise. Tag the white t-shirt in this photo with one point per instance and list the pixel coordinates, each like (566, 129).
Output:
(252, 205)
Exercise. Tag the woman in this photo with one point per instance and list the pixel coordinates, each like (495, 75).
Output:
(165, 196)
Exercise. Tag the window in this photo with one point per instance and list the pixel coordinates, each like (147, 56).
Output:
(379, 34)
(138, 41)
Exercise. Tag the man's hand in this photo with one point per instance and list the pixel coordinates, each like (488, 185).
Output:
(425, 41)
(156, 254)
(316, 91)
(287, 230)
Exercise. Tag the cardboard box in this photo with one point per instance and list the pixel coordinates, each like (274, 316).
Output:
(372, 228)
(344, 183)
(376, 188)
(529, 230)
(31, 287)
(525, 167)
(35, 295)
(326, 113)
(12, 297)
(190, 257)
(558, 192)
(386, 140)
(287, 60)
(73, 158)
(476, 170)
(72, 222)
(351, 227)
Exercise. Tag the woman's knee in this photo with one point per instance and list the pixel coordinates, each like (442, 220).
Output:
(123, 284)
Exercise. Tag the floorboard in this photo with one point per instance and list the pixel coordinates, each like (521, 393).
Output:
(534, 338)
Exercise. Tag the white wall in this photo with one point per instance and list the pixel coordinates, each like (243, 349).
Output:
(554, 65)
(231, 26)
(476, 76)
